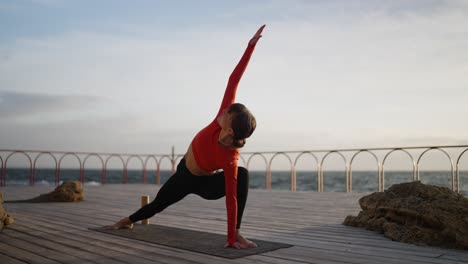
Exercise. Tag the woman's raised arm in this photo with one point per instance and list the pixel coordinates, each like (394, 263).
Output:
(236, 75)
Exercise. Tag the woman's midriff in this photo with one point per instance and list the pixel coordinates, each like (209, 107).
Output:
(192, 165)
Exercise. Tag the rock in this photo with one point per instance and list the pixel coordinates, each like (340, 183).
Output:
(70, 191)
(416, 213)
(5, 219)
(8, 220)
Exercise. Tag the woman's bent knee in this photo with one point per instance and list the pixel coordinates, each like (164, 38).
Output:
(242, 176)
(243, 172)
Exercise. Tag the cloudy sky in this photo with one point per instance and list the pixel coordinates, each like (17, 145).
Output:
(142, 76)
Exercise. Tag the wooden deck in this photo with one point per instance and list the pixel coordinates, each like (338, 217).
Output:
(58, 232)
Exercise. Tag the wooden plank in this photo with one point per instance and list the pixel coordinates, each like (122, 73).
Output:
(40, 249)
(103, 215)
(129, 246)
(350, 256)
(23, 255)
(92, 247)
(221, 225)
(195, 225)
(278, 219)
(4, 259)
(369, 253)
(75, 255)
(311, 221)
(282, 260)
(307, 241)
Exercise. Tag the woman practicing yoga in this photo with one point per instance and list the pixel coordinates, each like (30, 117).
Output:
(214, 147)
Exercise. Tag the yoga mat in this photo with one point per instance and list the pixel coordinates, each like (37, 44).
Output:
(197, 241)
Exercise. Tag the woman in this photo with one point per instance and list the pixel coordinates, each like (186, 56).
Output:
(214, 147)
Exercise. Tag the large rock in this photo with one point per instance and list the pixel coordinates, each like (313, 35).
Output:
(71, 191)
(5, 219)
(416, 213)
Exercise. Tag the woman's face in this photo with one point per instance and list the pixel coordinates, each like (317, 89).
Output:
(225, 119)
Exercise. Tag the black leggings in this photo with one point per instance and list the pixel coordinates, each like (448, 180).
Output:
(182, 183)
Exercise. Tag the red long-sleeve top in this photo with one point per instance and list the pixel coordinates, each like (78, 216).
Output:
(211, 156)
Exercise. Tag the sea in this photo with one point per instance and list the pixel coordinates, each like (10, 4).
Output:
(334, 181)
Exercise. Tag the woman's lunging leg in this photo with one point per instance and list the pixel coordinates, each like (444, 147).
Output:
(174, 190)
(213, 188)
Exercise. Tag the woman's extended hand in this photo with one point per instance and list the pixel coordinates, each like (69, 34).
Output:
(241, 243)
(236, 245)
(257, 36)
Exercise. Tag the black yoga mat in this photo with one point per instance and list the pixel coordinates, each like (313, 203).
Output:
(202, 242)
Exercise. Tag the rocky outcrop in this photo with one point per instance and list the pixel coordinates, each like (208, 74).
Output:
(71, 191)
(416, 213)
(5, 219)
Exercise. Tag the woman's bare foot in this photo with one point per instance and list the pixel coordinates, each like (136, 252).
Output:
(245, 243)
(124, 223)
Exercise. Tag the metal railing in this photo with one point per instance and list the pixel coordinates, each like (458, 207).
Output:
(320, 156)
(348, 166)
(82, 157)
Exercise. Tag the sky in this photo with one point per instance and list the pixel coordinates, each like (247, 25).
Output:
(143, 76)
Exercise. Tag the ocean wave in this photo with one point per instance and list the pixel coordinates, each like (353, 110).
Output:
(8, 183)
(92, 183)
(47, 183)
(43, 182)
